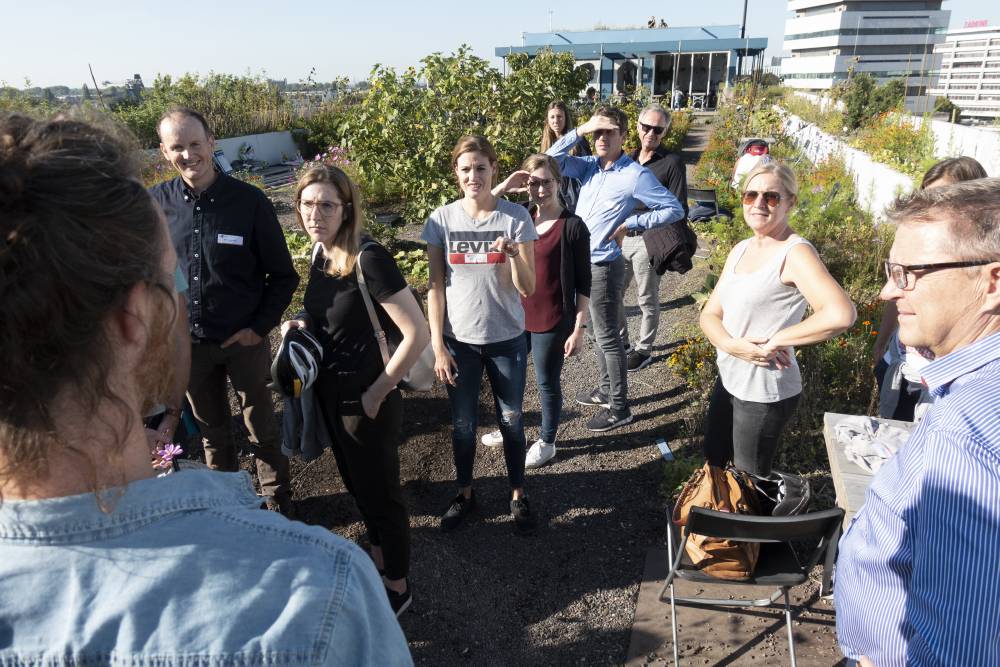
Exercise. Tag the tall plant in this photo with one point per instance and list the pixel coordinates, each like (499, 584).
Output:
(408, 122)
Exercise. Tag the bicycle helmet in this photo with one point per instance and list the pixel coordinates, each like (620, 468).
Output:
(297, 363)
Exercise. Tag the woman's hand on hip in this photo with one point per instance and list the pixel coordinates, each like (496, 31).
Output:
(445, 368)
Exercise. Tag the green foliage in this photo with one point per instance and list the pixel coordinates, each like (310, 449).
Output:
(864, 98)
(676, 473)
(299, 244)
(891, 139)
(408, 123)
(233, 105)
(413, 264)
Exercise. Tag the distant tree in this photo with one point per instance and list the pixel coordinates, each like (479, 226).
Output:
(49, 96)
(85, 92)
(944, 105)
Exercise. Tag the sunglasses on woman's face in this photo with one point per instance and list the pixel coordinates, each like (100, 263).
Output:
(771, 198)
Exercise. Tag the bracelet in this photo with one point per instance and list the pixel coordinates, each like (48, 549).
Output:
(517, 251)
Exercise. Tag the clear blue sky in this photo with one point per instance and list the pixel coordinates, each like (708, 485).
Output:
(51, 41)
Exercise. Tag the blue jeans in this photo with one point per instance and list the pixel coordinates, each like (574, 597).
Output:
(506, 363)
(547, 353)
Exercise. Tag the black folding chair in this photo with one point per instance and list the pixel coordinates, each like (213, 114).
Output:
(706, 205)
(777, 566)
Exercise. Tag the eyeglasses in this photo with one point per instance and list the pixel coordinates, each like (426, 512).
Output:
(772, 198)
(900, 273)
(655, 129)
(326, 208)
(547, 182)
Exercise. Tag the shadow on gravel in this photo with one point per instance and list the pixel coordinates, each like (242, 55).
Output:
(537, 594)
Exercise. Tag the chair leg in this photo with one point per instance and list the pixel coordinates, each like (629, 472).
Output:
(788, 624)
(673, 624)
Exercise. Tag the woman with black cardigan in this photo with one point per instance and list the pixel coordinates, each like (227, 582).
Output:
(556, 314)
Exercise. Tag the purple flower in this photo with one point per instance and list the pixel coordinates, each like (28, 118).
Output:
(166, 455)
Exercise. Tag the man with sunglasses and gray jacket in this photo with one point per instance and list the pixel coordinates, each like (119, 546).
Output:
(667, 166)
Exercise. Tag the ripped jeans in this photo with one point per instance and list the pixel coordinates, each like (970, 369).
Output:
(505, 363)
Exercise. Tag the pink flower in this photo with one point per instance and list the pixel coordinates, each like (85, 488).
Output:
(166, 455)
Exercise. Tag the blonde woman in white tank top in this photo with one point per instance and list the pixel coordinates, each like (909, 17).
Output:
(754, 319)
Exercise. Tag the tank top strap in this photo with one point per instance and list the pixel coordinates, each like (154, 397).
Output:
(792, 241)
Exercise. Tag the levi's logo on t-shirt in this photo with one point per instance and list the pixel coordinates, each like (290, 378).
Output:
(474, 248)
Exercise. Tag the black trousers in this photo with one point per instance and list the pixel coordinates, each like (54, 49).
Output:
(745, 432)
(367, 454)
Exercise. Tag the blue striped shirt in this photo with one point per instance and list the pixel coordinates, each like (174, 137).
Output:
(609, 197)
(918, 576)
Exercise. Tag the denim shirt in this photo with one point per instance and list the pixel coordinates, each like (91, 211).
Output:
(185, 570)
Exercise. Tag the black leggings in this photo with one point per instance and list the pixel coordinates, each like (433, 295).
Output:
(744, 432)
(367, 453)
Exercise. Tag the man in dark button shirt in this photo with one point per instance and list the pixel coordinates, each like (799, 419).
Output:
(231, 250)
(654, 121)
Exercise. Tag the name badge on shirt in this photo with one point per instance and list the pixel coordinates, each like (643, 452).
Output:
(230, 239)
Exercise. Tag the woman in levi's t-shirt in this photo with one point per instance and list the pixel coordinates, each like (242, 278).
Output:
(480, 252)
(556, 314)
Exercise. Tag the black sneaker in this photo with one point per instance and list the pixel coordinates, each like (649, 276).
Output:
(636, 361)
(594, 397)
(400, 602)
(524, 520)
(460, 508)
(605, 420)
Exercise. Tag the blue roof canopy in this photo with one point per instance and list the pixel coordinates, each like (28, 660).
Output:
(634, 35)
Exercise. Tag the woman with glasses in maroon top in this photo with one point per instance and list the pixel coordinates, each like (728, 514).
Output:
(555, 315)
(754, 318)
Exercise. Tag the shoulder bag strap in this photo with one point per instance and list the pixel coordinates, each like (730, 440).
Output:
(383, 345)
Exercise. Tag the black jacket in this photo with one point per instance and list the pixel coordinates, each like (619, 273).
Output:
(574, 262)
(670, 247)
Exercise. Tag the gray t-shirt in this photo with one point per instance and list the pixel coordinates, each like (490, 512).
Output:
(483, 306)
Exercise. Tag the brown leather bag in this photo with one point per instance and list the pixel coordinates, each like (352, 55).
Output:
(724, 490)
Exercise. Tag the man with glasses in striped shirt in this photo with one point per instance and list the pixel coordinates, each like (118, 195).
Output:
(918, 576)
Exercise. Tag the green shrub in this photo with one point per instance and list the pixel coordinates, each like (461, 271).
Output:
(233, 105)
(404, 129)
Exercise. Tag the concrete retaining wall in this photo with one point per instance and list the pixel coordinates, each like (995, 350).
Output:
(876, 184)
(271, 147)
(950, 139)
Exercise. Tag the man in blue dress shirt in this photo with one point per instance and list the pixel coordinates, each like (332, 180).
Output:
(918, 576)
(612, 186)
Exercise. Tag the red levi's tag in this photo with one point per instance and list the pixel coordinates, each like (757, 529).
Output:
(476, 258)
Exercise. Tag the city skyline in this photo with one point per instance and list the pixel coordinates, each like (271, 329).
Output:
(56, 44)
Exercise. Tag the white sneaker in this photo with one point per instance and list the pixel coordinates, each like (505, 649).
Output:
(539, 454)
(492, 439)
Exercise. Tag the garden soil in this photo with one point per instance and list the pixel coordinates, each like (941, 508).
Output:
(567, 594)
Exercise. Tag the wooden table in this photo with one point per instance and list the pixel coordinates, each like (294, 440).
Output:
(849, 480)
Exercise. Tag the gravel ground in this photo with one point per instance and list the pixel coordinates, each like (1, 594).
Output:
(566, 594)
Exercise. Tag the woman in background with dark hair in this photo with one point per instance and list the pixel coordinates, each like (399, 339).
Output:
(481, 258)
(357, 394)
(558, 121)
(904, 396)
